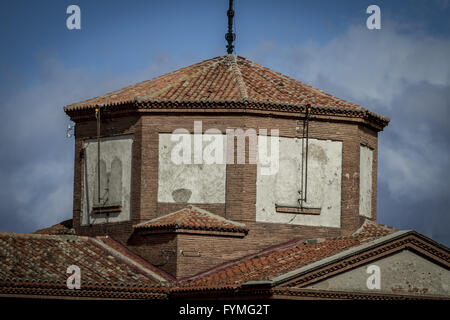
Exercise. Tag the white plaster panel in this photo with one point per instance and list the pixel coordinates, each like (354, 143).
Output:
(196, 182)
(112, 150)
(282, 188)
(365, 181)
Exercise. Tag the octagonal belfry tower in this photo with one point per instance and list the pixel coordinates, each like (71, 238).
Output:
(218, 160)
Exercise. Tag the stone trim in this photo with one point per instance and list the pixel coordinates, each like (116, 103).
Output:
(310, 294)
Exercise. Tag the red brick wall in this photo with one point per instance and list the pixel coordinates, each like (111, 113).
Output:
(217, 250)
(240, 184)
(151, 248)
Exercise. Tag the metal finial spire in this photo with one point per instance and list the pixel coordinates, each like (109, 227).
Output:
(230, 36)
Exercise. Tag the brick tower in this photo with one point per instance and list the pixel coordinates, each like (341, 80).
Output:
(191, 216)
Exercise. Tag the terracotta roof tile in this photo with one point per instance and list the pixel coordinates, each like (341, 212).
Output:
(36, 261)
(227, 78)
(373, 229)
(193, 218)
(64, 227)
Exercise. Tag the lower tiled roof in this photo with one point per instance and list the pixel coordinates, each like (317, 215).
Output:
(371, 229)
(38, 263)
(64, 227)
(282, 259)
(193, 218)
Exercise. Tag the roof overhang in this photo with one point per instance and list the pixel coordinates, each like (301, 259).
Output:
(364, 117)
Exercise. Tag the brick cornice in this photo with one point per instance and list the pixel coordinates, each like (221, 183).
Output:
(237, 107)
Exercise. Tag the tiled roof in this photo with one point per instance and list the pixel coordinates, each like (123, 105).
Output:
(280, 260)
(127, 254)
(64, 227)
(371, 229)
(38, 263)
(227, 78)
(35, 264)
(193, 218)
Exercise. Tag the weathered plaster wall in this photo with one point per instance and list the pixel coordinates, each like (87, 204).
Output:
(365, 181)
(282, 188)
(402, 273)
(194, 182)
(115, 182)
(240, 178)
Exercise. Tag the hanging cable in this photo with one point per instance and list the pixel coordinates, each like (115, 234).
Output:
(308, 109)
(97, 116)
(99, 198)
(304, 160)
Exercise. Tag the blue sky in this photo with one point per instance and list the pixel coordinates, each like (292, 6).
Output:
(401, 71)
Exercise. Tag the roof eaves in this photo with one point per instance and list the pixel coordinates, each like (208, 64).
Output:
(263, 283)
(145, 103)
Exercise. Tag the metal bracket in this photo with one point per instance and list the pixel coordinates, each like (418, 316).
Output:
(190, 253)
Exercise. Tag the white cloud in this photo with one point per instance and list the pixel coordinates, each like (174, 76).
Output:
(366, 64)
(36, 164)
(401, 74)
